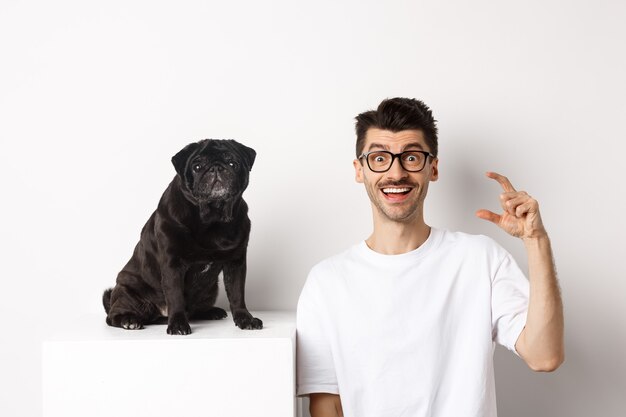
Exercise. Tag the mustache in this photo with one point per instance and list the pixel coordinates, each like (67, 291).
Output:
(397, 184)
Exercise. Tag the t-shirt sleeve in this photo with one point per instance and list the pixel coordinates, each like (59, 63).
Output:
(509, 302)
(315, 370)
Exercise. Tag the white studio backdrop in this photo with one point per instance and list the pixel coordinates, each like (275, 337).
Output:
(95, 98)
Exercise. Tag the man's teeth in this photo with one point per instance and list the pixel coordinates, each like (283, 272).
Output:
(395, 190)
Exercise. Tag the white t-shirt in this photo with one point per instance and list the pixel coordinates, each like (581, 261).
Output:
(410, 334)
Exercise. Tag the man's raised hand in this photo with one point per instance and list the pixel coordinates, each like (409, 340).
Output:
(521, 216)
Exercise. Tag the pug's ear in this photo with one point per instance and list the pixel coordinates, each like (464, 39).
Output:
(180, 159)
(248, 154)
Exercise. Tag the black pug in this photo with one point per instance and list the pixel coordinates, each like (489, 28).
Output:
(199, 229)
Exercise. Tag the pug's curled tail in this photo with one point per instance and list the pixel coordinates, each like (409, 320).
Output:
(106, 300)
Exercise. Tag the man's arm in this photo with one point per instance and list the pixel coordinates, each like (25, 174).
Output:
(540, 343)
(325, 405)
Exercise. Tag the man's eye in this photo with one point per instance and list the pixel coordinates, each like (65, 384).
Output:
(379, 159)
(411, 158)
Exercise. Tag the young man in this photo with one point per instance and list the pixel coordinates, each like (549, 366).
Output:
(405, 323)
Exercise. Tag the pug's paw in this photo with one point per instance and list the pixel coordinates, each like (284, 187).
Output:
(214, 313)
(244, 320)
(178, 325)
(130, 322)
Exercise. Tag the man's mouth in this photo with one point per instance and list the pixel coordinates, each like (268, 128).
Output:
(396, 194)
(402, 190)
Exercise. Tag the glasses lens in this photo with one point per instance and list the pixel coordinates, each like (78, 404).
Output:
(413, 160)
(379, 161)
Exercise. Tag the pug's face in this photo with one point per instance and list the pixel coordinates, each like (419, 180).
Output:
(214, 170)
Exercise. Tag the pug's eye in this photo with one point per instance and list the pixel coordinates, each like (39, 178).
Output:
(196, 167)
(232, 164)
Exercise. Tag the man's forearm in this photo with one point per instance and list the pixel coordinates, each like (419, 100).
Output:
(325, 405)
(541, 342)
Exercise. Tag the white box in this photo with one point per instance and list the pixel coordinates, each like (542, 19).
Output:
(219, 370)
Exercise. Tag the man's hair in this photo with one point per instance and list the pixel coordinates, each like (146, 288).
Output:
(397, 114)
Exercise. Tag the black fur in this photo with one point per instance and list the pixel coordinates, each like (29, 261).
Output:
(199, 229)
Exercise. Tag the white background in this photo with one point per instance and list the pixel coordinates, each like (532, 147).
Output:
(95, 98)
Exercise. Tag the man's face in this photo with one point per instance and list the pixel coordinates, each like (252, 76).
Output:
(407, 205)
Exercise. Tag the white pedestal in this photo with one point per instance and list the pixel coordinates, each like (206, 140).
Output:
(219, 370)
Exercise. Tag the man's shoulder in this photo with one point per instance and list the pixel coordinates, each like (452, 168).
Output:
(472, 243)
(324, 275)
(466, 238)
(330, 264)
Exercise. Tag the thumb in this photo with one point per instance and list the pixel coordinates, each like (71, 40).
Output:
(488, 215)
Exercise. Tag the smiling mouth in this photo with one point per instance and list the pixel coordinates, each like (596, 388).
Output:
(396, 190)
(396, 194)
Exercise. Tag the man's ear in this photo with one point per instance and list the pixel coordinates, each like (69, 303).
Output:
(180, 159)
(248, 154)
(358, 168)
(435, 170)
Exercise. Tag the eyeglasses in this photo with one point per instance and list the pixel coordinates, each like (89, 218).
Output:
(411, 161)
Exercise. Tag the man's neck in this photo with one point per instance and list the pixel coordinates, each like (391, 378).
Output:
(394, 238)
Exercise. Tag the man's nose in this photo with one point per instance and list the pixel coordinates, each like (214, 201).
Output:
(396, 170)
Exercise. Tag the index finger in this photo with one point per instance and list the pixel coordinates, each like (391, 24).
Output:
(504, 181)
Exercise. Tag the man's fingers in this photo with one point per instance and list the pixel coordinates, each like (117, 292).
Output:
(507, 195)
(488, 215)
(511, 201)
(529, 206)
(504, 181)
(522, 209)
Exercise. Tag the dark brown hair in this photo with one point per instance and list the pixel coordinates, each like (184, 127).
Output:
(397, 114)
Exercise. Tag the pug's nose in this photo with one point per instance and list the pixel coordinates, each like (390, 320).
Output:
(216, 168)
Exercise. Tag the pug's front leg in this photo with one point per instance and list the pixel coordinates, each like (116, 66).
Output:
(234, 282)
(173, 282)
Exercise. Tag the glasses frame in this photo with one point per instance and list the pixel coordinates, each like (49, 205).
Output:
(394, 156)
